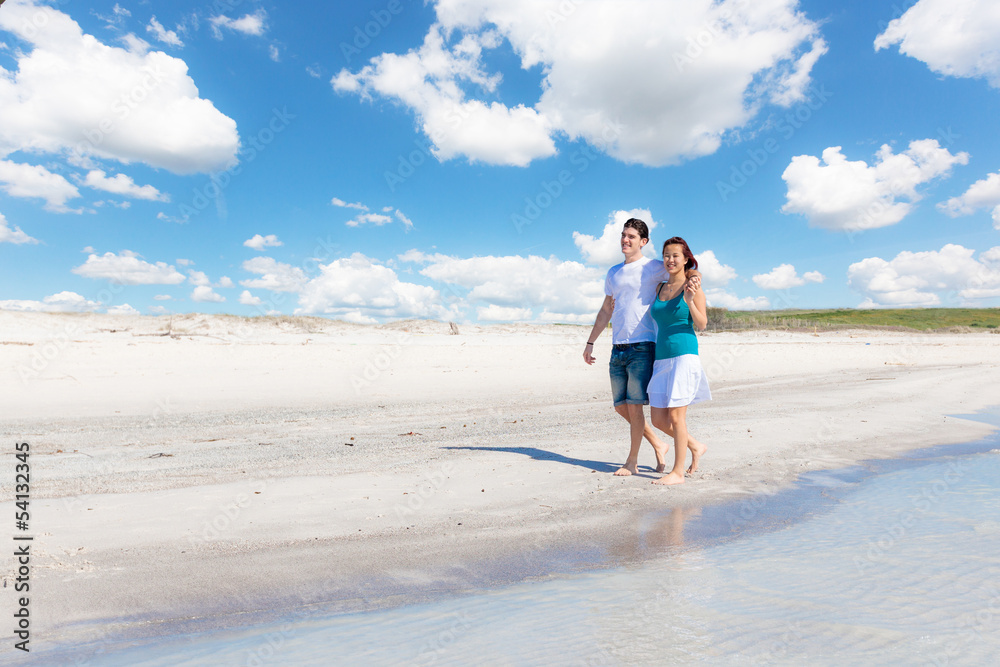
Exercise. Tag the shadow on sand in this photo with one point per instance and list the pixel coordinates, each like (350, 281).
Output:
(543, 455)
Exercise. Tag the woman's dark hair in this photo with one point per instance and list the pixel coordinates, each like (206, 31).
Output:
(689, 261)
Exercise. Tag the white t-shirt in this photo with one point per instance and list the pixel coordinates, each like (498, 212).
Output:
(633, 287)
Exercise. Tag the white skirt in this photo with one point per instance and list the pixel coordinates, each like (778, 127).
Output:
(678, 381)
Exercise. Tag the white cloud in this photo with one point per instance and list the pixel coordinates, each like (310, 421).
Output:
(204, 294)
(841, 195)
(199, 278)
(652, 83)
(607, 250)
(274, 275)
(984, 193)
(366, 218)
(226, 281)
(569, 318)
(128, 269)
(336, 201)
(15, 236)
(162, 34)
(523, 282)
(274, 53)
(248, 299)
(259, 242)
(785, 277)
(376, 219)
(163, 297)
(495, 313)
(407, 223)
(120, 184)
(360, 289)
(713, 272)
(250, 24)
(31, 181)
(921, 279)
(720, 298)
(953, 37)
(63, 302)
(73, 94)
(123, 309)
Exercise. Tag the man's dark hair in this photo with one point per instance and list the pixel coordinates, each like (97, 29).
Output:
(639, 226)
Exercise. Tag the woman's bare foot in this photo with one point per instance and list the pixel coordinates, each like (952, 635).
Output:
(697, 449)
(626, 470)
(661, 456)
(670, 478)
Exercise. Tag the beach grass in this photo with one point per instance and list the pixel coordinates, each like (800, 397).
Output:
(918, 319)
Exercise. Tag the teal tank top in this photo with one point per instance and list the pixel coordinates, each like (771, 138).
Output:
(674, 328)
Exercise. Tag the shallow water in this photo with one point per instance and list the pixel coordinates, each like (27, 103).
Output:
(890, 563)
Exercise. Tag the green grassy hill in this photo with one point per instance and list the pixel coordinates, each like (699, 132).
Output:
(921, 319)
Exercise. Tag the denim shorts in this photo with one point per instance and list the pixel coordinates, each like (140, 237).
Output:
(631, 368)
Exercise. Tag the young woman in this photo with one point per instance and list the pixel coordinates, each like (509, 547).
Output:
(678, 378)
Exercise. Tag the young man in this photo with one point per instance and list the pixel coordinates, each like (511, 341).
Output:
(629, 289)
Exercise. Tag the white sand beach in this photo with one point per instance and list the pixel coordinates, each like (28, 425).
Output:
(204, 469)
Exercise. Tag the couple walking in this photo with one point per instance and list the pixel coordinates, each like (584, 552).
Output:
(653, 308)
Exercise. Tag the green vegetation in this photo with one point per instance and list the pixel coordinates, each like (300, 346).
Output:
(921, 319)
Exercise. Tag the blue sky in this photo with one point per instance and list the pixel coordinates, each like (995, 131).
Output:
(473, 160)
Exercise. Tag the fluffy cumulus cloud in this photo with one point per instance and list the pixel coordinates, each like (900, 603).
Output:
(128, 268)
(835, 193)
(713, 272)
(606, 250)
(720, 298)
(519, 282)
(15, 235)
(76, 96)
(258, 242)
(495, 313)
(983, 194)
(274, 275)
(360, 289)
(953, 37)
(785, 277)
(248, 299)
(36, 182)
(950, 276)
(715, 65)
(205, 294)
(63, 302)
(120, 184)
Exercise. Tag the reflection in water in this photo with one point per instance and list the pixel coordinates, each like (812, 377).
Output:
(895, 568)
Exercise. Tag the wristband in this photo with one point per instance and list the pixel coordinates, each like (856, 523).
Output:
(589, 343)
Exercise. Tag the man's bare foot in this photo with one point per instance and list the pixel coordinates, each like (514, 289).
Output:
(626, 470)
(661, 456)
(670, 478)
(696, 454)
